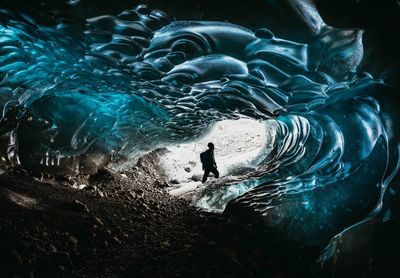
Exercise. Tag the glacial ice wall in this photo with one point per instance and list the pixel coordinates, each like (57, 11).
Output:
(76, 96)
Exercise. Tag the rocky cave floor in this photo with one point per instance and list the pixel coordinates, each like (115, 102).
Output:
(124, 225)
(118, 225)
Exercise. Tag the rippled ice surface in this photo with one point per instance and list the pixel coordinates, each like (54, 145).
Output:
(76, 96)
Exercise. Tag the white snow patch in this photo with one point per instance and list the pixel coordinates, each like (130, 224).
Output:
(239, 144)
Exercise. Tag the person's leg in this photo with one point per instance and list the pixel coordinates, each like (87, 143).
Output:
(215, 172)
(206, 173)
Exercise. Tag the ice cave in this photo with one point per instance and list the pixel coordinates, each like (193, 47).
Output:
(104, 99)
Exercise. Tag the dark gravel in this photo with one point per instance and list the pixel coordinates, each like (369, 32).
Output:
(118, 225)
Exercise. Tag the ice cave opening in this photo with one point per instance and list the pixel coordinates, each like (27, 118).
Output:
(240, 145)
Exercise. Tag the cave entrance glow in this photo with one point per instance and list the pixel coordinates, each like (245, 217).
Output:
(239, 146)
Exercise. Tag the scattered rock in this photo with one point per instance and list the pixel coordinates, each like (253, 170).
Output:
(73, 239)
(139, 191)
(125, 235)
(139, 224)
(98, 221)
(166, 243)
(103, 176)
(160, 184)
(61, 268)
(187, 169)
(91, 188)
(52, 248)
(196, 178)
(76, 206)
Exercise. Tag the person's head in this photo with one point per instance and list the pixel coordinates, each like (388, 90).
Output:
(211, 146)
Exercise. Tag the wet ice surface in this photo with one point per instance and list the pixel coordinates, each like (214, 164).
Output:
(77, 96)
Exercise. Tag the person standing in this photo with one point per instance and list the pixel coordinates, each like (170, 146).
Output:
(208, 161)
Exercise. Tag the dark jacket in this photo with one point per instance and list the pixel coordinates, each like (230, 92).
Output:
(207, 159)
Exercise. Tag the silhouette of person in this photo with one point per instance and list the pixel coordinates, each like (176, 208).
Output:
(208, 162)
